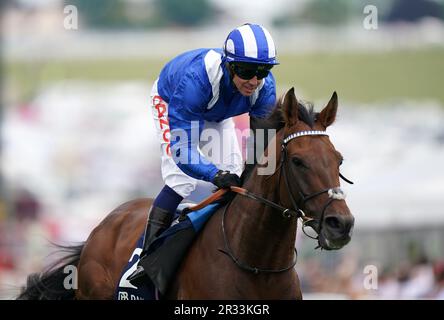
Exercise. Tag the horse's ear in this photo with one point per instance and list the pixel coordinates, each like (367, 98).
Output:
(290, 108)
(328, 115)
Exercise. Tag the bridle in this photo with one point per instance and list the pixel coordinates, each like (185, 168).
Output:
(334, 193)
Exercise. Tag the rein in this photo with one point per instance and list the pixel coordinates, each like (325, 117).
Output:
(245, 266)
(286, 212)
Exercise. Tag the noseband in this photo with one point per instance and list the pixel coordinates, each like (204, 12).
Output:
(335, 193)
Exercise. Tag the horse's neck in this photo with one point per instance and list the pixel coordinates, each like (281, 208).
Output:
(260, 235)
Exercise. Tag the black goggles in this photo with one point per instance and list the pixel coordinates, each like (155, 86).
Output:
(247, 72)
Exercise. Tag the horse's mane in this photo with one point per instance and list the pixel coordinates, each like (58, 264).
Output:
(276, 121)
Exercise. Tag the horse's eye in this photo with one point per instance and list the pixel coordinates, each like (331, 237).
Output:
(298, 162)
(341, 161)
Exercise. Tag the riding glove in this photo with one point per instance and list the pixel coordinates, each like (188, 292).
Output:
(225, 179)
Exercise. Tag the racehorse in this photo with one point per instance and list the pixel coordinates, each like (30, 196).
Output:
(247, 248)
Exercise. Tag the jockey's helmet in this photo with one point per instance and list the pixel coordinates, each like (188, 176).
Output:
(250, 43)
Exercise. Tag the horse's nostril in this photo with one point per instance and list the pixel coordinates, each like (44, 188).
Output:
(333, 223)
(339, 225)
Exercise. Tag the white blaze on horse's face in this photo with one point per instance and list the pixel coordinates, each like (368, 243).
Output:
(313, 171)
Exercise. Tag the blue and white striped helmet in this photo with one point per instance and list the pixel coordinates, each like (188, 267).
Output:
(250, 43)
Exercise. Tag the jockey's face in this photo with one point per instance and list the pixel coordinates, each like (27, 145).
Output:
(246, 87)
(248, 76)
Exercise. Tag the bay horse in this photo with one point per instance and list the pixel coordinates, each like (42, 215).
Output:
(247, 248)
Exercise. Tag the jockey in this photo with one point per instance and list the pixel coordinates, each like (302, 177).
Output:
(203, 89)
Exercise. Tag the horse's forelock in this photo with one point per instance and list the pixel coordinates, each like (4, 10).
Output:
(306, 114)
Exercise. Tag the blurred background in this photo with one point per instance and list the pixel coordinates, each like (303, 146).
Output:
(77, 138)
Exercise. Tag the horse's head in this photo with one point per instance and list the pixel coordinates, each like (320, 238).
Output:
(310, 166)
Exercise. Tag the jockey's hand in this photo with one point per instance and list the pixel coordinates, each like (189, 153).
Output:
(225, 179)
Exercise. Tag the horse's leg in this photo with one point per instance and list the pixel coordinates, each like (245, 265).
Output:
(108, 249)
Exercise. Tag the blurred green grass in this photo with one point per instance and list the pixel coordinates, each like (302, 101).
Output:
(357, 77)
(369, 77)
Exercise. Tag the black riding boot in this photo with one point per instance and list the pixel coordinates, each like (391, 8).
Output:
(159, 220)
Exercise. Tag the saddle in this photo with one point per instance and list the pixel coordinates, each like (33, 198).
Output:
(165, 253)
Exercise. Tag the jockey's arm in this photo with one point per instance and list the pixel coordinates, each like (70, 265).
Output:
(184, 149)
(185, 115)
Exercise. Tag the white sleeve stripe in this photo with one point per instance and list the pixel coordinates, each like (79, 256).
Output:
(250, 45)
(214, 71)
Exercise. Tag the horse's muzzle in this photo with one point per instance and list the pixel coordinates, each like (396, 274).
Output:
(336, 231)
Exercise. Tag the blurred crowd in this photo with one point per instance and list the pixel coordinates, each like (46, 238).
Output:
(26, 234)
(422, 279)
